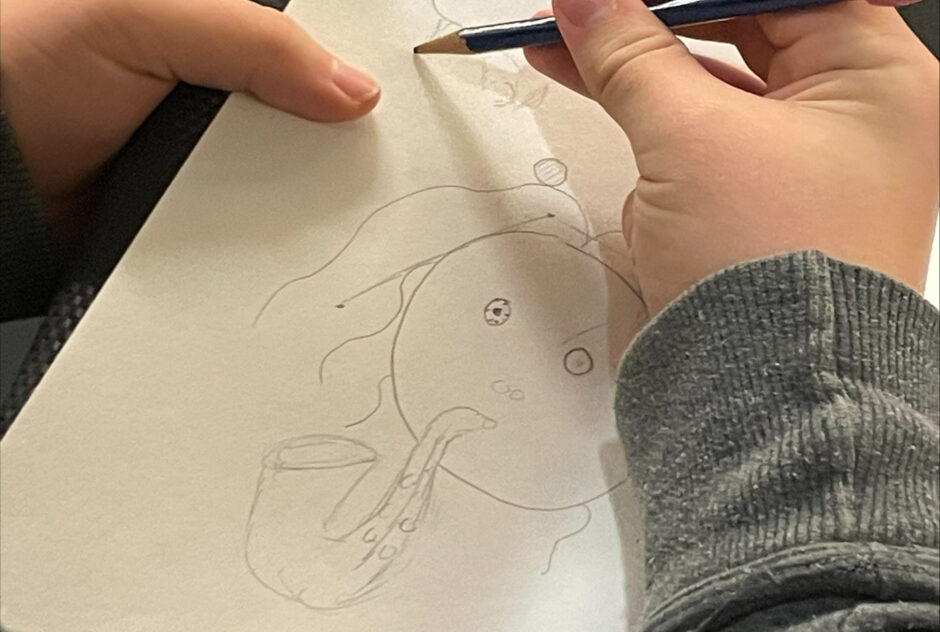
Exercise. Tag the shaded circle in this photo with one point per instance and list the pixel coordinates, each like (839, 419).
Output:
(497, 312)
(578, 361)
(551, 172)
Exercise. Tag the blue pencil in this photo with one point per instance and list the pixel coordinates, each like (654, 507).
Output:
(541, 31)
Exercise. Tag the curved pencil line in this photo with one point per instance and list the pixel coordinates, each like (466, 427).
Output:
(440, 14)
(401, 305)
(588, 237)
(377, 406)
(586, 230)
(636, 291)
(606, 232)
(584, 331)
(433, 259)
(529, 507)
(403, 417)
(370, 216)
(587, 521)
(512, 227)
(507, 100)
(391, 277)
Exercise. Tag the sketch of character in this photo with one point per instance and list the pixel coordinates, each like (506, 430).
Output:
(503, 345)
(514, 83)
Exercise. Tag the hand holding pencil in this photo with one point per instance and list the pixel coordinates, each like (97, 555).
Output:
(828, 143)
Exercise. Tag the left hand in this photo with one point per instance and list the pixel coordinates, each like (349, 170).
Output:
(79, 77)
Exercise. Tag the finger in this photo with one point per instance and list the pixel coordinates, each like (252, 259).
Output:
(633, 66)
(744, 33)
(627, 218)
(732, 75)
(555, 62)
(238, 45)
(837, 37)
(720, 31)
(893, 3)
(627, 223)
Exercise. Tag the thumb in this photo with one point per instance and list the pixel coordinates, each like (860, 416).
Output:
(632, 64)
(238, 45)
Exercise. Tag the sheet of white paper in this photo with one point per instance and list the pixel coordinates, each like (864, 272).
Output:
(349, 377)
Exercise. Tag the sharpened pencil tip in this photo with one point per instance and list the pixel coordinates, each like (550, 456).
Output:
(449, 44)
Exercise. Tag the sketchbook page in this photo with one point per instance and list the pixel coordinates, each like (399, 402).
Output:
(932, 292)
(349, 377)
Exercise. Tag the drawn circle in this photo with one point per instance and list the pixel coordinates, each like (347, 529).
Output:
(550, 171)
(444, 356)
(516, 395)
(497, 312)
(578, 361)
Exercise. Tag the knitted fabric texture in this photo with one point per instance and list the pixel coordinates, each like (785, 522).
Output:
(781, 421)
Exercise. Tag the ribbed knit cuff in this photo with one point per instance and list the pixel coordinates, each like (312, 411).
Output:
(782, 404)
(28, 268)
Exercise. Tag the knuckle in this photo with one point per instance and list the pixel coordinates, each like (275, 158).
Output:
(620, 69)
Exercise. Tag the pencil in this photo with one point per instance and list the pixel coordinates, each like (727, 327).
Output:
(542, 31)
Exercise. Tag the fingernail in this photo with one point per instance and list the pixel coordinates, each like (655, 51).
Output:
(583, 12)
(354, 83)
(489, 424)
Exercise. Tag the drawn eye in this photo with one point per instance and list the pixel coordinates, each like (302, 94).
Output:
(497, 312)
(578, 361)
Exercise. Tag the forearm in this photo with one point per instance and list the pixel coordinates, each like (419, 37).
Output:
(781, 420)
(28, 266)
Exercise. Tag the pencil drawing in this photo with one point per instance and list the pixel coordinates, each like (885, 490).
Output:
(578, 361)
(519, 206)
(325, 556)
(497, 312)
(506, 74)
(500, 343)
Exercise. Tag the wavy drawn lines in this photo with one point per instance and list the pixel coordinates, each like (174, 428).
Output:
(398, 310)
(444, 23)
(514, 227)
(404, 271)
(358, 230)
(604, 234)
(633, 288)
(377, 406)
(583, 331)
(587, 520)
(440, 12)
(429, 260)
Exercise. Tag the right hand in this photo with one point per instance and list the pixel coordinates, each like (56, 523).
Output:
(832, 144)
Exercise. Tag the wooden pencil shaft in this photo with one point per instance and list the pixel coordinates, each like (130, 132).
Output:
(537, 32)
(543, 31)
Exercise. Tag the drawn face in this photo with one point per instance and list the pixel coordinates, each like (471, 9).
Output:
(527, 330)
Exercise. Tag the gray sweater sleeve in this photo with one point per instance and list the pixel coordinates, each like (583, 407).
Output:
(28, 263)
(781, 423)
